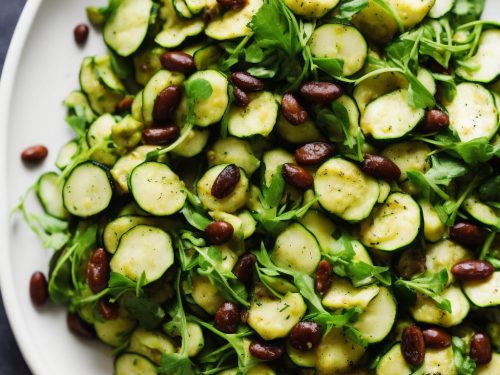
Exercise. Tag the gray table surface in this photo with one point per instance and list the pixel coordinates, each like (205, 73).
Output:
(11, 360)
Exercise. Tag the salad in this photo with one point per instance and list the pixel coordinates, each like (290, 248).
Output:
(280, 187)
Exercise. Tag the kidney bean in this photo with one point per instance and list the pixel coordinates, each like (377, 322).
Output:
(244, 267)
(413, 345)
(34, 154)
(305, 335)
(320, 92)
(313, 153)
(227, 317)
(265, 350)
(165, 104)
(124, 104)
(78, 327)
(297, 176)
(246, 82)
(472, 269)
(108, 310)
(380, 167)
(160, 135)
(233, 4)
(435, 120)
(436, 338)
(218, 232)
(39, 292)
(292, 110)
(98, 270)
(480, 349)
(323, 278)
(177, 61)
(241, 98)
(226, 181)
(81, 33)
(411, 263)
(467, 234)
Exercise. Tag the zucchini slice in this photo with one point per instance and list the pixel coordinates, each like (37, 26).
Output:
(483, 293)
(193, 144)
(258, 118)
(342, 295)
(49, 191)
(444, 254)
(301, 358)
(99, 132)
(115, 332)
(195, 6)
(473, 113)
(66, 153)
(339, 41)
(182, 9)
(88, 189)
(393, 363)
(390, 116)
(482, 212)
(206, 295)
(146, 64)
(156, 189)
(104, 71)
(393, 225)
(440, 8)
(231, 150)
(434, 229)
(143, 249)
(311, 8)
(490, 368)
(115, 229)
(484, 66)
(321, 227)
(344, 190)
(407, 156)
(134, 364)
(150, 344)
(306, 132)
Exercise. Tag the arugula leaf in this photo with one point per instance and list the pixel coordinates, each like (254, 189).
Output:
(464, 364)
(333, 67)
(195, 217)
(388, 8)
(120, 284)
(445, 169)
(490, 190)
(145, 310)
(467, 10)
(349, 8)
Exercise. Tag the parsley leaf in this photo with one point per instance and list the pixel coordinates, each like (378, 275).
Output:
(349, 8)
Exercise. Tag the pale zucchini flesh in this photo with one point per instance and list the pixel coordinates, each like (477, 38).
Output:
(134, 364)
(311, 8)
(483, 293)
(342, 295)
(412, 155)
(49, 190)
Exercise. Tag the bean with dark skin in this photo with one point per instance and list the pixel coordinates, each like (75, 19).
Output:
(177, 61)
(34, 154)
(108, 310)
(436, 338)
(320, 92)
(165, 104)
(435, 120)
(323, 279)
(233, 4)
(292, 110)
(226, 181)
(81, 33)
(480, 349)
(246, 82)
(227, 317)
(39, 292)
(413, 345)
(218, 232)
(160, 135)
(467, 234)
(265, 350)
(305, 335)
(244, 267)
(124, 104)
(472, 269)
(297, 176)
(98, 270)
(241, 98)
(313, 153)
(78, 327)
(380, 167)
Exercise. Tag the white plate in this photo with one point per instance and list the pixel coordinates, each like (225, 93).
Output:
(41, 69)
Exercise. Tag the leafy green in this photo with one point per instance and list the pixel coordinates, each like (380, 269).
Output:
(349, 8)
(145, 310)
(333, 67)
(120, 284)
(467, 10)
(464, 364)
(489, 191)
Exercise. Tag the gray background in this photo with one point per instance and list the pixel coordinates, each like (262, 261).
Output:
(11, 361)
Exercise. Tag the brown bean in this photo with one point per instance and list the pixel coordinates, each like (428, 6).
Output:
(380, 167)
(244, 315)
(320, 92)
(244, 267)
(39, 292)
(241, 98)
(472, 269)
(227, 317)
(323, 278)
(297, 176)
(218, 232)
(292, 110)
(108, 310)
(246, 82)
(305, 335)
(480, 349)
(413, 345)
(313, 153)
(233, 4)
(160, 135)
(436, 338)
(78, 327)
(435, 120)
(98, 270)
(265, 350)
(34, 154)
(81, 33)
(410, 263)
(467, 234)
(226, 181)
(165, 104)
(124, 104)
(177, 61)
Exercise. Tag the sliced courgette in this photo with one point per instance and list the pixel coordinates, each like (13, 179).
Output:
(483, 293)
(311, 8)
(49, 191)
(134, 364)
